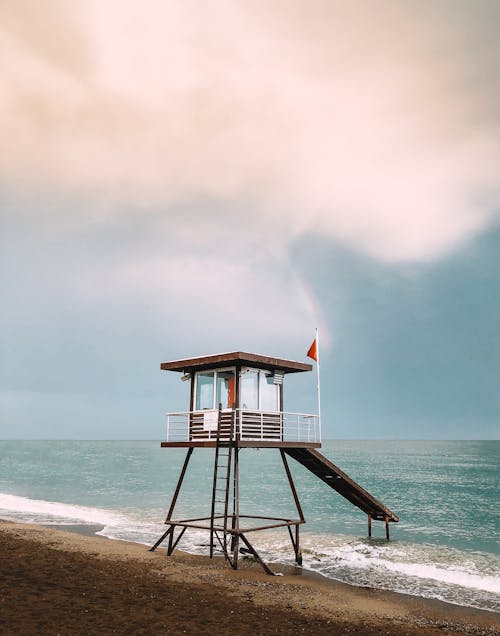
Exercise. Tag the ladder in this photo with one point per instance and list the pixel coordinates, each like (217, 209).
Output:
(222, 487)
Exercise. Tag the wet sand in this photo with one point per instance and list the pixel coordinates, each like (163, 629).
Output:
(55, 582)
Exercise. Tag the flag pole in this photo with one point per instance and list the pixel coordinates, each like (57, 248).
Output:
(319, 383)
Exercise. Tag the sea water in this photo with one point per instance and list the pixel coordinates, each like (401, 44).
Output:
(446, 545)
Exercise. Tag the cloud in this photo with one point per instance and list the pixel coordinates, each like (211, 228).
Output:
(78, 288)
(359, 125)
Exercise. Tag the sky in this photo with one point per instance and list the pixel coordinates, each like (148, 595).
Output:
(180, 178)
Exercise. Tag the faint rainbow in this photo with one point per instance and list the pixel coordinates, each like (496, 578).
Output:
(312, 304)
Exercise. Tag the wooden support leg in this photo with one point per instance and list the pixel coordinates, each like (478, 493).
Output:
(387, 528)
(292, 540)
(369, 525)
(162, 538)
(251, 549)
(236, 549)
(179, 484)
(170, 532)
(234, 543)
(292, 485)
(170, 541)
(298, 551)
(172, 544)
(296, 543)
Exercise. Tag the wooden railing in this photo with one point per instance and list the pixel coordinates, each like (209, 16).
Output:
(249, 425)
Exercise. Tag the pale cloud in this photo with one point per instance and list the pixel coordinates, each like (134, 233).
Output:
(324, 116)
(175, 280)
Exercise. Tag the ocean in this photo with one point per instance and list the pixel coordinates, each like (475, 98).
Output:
(446, 493)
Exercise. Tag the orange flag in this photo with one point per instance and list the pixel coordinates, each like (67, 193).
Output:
(313, 351)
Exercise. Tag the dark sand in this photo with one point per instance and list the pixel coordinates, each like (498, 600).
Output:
(54, 582)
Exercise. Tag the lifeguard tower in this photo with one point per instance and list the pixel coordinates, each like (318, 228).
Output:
(236, 402)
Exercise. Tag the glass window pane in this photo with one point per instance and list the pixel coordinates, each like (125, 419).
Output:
(249, 387)
(204, 391)
(225, 389)
(269, 393)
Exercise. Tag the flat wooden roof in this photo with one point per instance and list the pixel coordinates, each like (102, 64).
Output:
(218, 360)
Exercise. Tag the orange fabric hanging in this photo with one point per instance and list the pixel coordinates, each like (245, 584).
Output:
(230, 392)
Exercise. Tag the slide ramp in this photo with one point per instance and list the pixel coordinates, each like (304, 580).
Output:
(323, 468)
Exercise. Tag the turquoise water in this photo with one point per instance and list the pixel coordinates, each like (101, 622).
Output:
(446, 494)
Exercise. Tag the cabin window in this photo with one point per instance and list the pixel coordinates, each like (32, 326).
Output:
(214, 388)
(269, 393)
(205, 390)
(258, 391)
(249, 387)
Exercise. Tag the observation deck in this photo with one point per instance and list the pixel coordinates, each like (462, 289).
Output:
(248, 390)
(250, 428)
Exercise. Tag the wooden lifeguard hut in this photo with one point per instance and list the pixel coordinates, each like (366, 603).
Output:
(236, 402)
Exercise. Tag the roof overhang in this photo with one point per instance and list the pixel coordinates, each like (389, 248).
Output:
(236, 358)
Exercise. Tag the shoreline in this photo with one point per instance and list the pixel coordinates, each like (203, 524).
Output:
(281, 568)
(63, 581)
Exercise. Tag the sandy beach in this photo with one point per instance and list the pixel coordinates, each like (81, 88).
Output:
(55, 582)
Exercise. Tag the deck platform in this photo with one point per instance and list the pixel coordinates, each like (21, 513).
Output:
(243, 443)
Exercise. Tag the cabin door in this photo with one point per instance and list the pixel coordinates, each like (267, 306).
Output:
(225, 393)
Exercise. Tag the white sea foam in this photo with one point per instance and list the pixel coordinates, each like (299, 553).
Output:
(419, 569)
(116, 525)
(52, 512)
(420, 561)
(454, 575)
